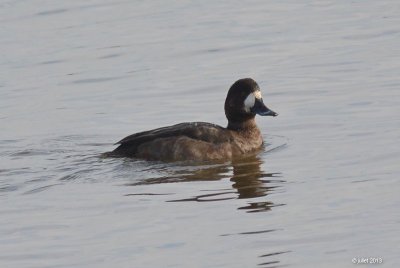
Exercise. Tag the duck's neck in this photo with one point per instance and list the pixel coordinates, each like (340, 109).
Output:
(246, 125)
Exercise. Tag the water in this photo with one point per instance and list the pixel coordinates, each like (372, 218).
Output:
(78, 76)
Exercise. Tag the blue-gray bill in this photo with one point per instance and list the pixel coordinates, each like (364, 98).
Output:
(260, 109)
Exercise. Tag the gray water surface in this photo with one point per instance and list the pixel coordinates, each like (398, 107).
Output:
(77, 76)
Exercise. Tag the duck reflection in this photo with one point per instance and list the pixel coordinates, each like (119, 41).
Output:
(249, 181)
(248, 178)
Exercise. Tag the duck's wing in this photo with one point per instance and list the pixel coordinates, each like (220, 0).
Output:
(143, 134)
(196, 130)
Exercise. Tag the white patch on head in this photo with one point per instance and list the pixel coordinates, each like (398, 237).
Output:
(257, 94)
(249, 102)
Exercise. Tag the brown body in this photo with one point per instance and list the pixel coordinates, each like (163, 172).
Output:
(201, 141)
(190, 141)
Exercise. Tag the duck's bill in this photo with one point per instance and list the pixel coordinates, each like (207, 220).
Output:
(260, 109)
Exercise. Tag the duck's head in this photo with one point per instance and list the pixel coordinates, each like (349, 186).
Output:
(244, 101)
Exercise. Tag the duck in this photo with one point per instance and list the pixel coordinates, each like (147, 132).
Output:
(202, 141)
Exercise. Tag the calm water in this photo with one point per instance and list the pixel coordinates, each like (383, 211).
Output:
(77, 76)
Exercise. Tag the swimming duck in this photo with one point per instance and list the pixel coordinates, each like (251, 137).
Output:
(200, 141)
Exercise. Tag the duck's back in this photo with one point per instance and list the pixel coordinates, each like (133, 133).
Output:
(185, 141)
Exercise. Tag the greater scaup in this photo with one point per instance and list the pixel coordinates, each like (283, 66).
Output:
(200, 141)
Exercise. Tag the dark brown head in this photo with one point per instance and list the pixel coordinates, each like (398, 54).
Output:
(244, 101)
